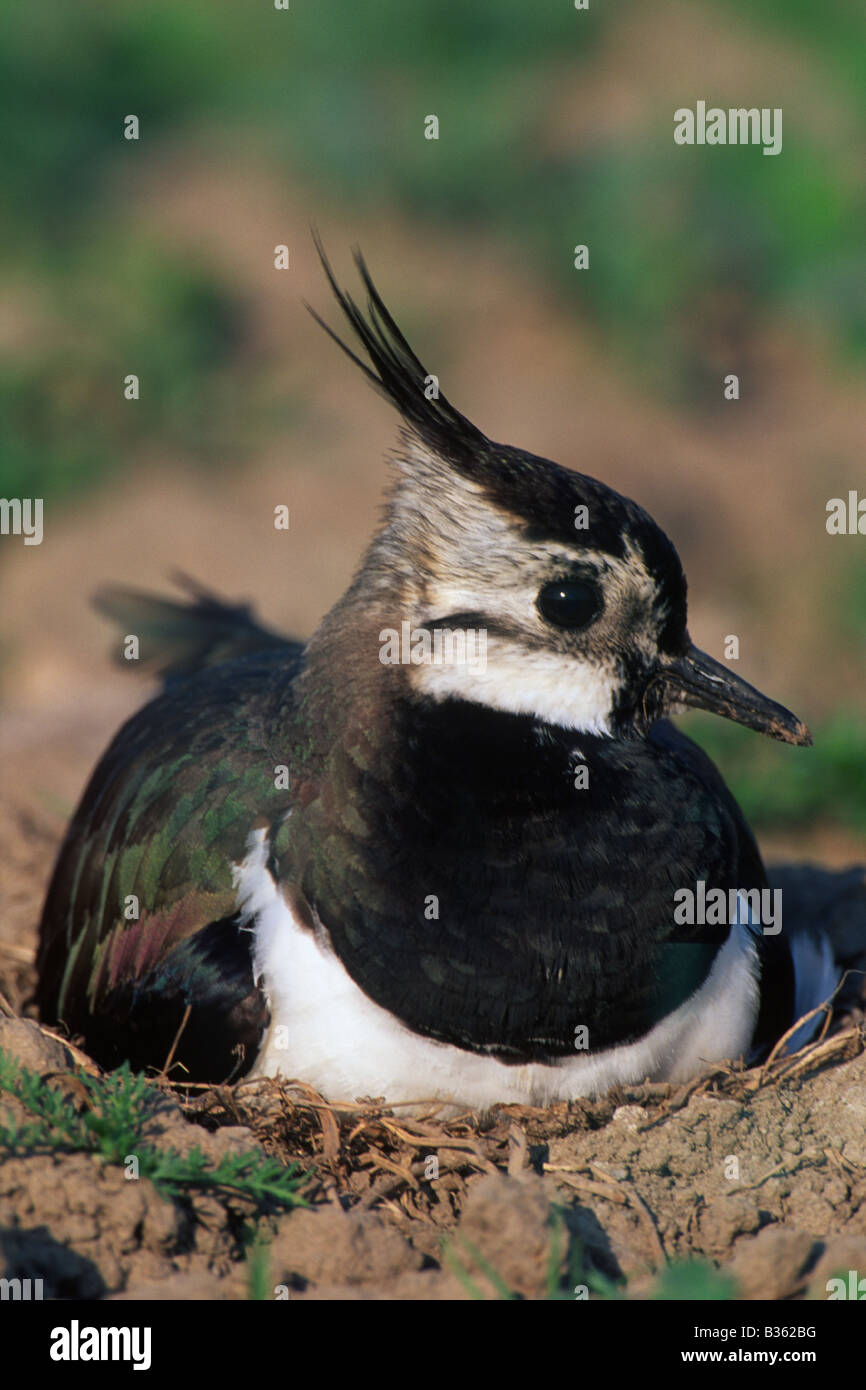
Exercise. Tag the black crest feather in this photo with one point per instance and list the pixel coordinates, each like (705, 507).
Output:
(534, 490)
(396, 373)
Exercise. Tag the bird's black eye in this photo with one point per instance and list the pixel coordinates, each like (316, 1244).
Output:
(570, 602)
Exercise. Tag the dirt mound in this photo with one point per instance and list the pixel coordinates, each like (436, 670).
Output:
(760, 1173)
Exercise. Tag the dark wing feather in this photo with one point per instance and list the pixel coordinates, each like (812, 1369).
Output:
(777, 970)
(140, 918)
(177, 639)
(198, 1007)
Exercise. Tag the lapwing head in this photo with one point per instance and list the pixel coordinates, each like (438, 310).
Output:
(571, 600)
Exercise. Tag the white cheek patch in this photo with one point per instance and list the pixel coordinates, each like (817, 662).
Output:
(568, 692)
(571, 692)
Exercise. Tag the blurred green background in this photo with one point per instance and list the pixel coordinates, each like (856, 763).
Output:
(555, 129)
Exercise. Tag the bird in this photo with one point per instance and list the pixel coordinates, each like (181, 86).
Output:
(433, 853)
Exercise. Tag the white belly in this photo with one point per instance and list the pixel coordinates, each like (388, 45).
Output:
(325, 1031)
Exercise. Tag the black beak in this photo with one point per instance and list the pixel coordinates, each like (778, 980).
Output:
(702, 683)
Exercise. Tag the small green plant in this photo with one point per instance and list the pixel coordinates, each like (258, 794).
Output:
(580, 1276)
(681, 1280)
(258, 1269)
(109, 1121)
(501, 1289)
(694, 1279)
(559, 1287)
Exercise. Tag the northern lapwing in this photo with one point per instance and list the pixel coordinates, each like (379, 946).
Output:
(437, 851)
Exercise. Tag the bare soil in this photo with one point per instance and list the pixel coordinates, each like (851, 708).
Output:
(762, 1173)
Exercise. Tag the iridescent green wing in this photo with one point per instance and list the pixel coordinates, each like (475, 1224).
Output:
(141, 923)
